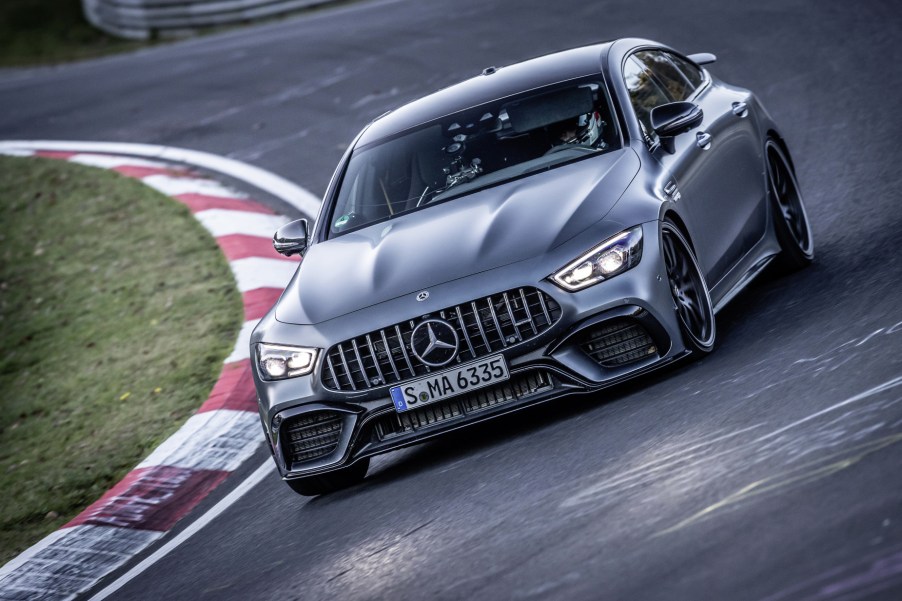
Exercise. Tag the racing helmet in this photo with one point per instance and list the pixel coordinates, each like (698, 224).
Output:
(588, 129)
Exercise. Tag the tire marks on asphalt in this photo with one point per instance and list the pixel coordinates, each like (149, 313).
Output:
(814, 446)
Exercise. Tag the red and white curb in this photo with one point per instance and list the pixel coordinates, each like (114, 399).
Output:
(223, 433)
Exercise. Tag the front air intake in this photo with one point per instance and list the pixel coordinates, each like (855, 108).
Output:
(310, 436)
(618, 342)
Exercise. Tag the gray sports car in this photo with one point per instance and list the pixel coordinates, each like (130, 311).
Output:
(540, 230)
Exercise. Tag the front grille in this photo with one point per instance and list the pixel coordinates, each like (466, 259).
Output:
(618, 342)
(518, 387)
(483, 326)
(311, 435)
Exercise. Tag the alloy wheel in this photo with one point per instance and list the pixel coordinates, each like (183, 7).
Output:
(791, 220)
(690, 293)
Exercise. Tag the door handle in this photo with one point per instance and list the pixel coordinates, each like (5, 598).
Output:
(740, 109)
(703, 139)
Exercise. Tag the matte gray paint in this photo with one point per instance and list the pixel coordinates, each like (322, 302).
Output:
(517, 234)
(494, 227)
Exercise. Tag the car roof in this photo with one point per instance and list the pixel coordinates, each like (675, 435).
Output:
(491, 85)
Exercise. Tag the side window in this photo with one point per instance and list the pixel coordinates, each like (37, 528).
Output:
(689, 70)
(677, 85)
(645, 94)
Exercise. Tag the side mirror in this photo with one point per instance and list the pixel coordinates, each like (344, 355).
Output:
(291, 238)
(673, 119)
(702, 58)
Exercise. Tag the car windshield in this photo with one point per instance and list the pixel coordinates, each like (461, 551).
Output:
(471, 150)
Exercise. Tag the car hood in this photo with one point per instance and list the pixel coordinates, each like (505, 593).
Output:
(484, 230)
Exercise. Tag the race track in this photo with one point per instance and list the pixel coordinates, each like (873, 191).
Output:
(768, 470)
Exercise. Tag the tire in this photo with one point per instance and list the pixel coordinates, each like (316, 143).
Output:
(790, 218)
(689, 290)
(323, 484)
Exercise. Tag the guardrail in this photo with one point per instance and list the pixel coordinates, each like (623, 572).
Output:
(147, 19)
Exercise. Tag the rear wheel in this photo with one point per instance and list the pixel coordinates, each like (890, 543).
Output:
(323, 484)
(790, 219)
(689, 291)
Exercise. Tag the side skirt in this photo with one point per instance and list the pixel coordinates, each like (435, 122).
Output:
(744, 280)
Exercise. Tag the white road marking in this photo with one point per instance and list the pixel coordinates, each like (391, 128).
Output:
(16, 152)
(298, 197)
(109, 162)
(256, 272)
(30, 552)
(173, 186)
(72, 560)
(212, 440)
(239, 491)
(242, 345)
(77, 558)
(223, 222)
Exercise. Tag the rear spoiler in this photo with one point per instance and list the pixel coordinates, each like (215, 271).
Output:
(702, 58)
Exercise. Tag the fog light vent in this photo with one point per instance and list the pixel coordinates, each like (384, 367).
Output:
(311, 435)
(618, 342)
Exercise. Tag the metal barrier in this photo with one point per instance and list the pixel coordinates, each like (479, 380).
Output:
(146, 19)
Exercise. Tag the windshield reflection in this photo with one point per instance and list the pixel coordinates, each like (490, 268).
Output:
(471, 150)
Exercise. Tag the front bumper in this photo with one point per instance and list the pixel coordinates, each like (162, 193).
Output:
(607, 333)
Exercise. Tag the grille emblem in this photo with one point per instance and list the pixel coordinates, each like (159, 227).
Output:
(423, 295)
(434, 342)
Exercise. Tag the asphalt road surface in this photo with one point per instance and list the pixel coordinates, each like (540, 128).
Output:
(770, 470)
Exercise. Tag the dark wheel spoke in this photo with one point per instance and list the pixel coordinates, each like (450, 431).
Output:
(693, 306)
(790, 220)
(669, 257)
(697, 324)
(695, 312)
(693, 319)
(693, 300)
(775, 176)
(788, 215)
(685, 276)
(784, 186)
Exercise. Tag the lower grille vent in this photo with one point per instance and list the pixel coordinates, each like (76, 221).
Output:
(618, 342)
(311, 435)
(518, 387)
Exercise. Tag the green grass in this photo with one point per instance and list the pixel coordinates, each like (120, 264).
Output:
(36, 32)
(51, 31)
(116, 312)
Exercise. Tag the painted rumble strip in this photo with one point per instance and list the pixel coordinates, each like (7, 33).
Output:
(214, 442)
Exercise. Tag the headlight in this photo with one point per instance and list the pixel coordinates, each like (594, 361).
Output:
(279, 362)
(611, 257)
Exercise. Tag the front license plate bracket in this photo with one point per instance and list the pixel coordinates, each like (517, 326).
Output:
(452, 382)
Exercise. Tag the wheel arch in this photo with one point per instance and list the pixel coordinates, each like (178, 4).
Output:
(674, 217)
(774, 135)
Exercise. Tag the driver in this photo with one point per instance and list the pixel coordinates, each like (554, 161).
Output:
(584, 130)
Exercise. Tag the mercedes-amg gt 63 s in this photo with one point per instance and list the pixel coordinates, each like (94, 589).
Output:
(543, 229)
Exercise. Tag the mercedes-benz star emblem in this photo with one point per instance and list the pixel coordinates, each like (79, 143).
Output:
(423, 295)
(434, 342)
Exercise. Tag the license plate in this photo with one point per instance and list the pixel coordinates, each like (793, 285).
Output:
(446, 384)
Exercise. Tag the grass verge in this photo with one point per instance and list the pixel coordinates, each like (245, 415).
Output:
(41, 32)
(116, 312)
(51, 31)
